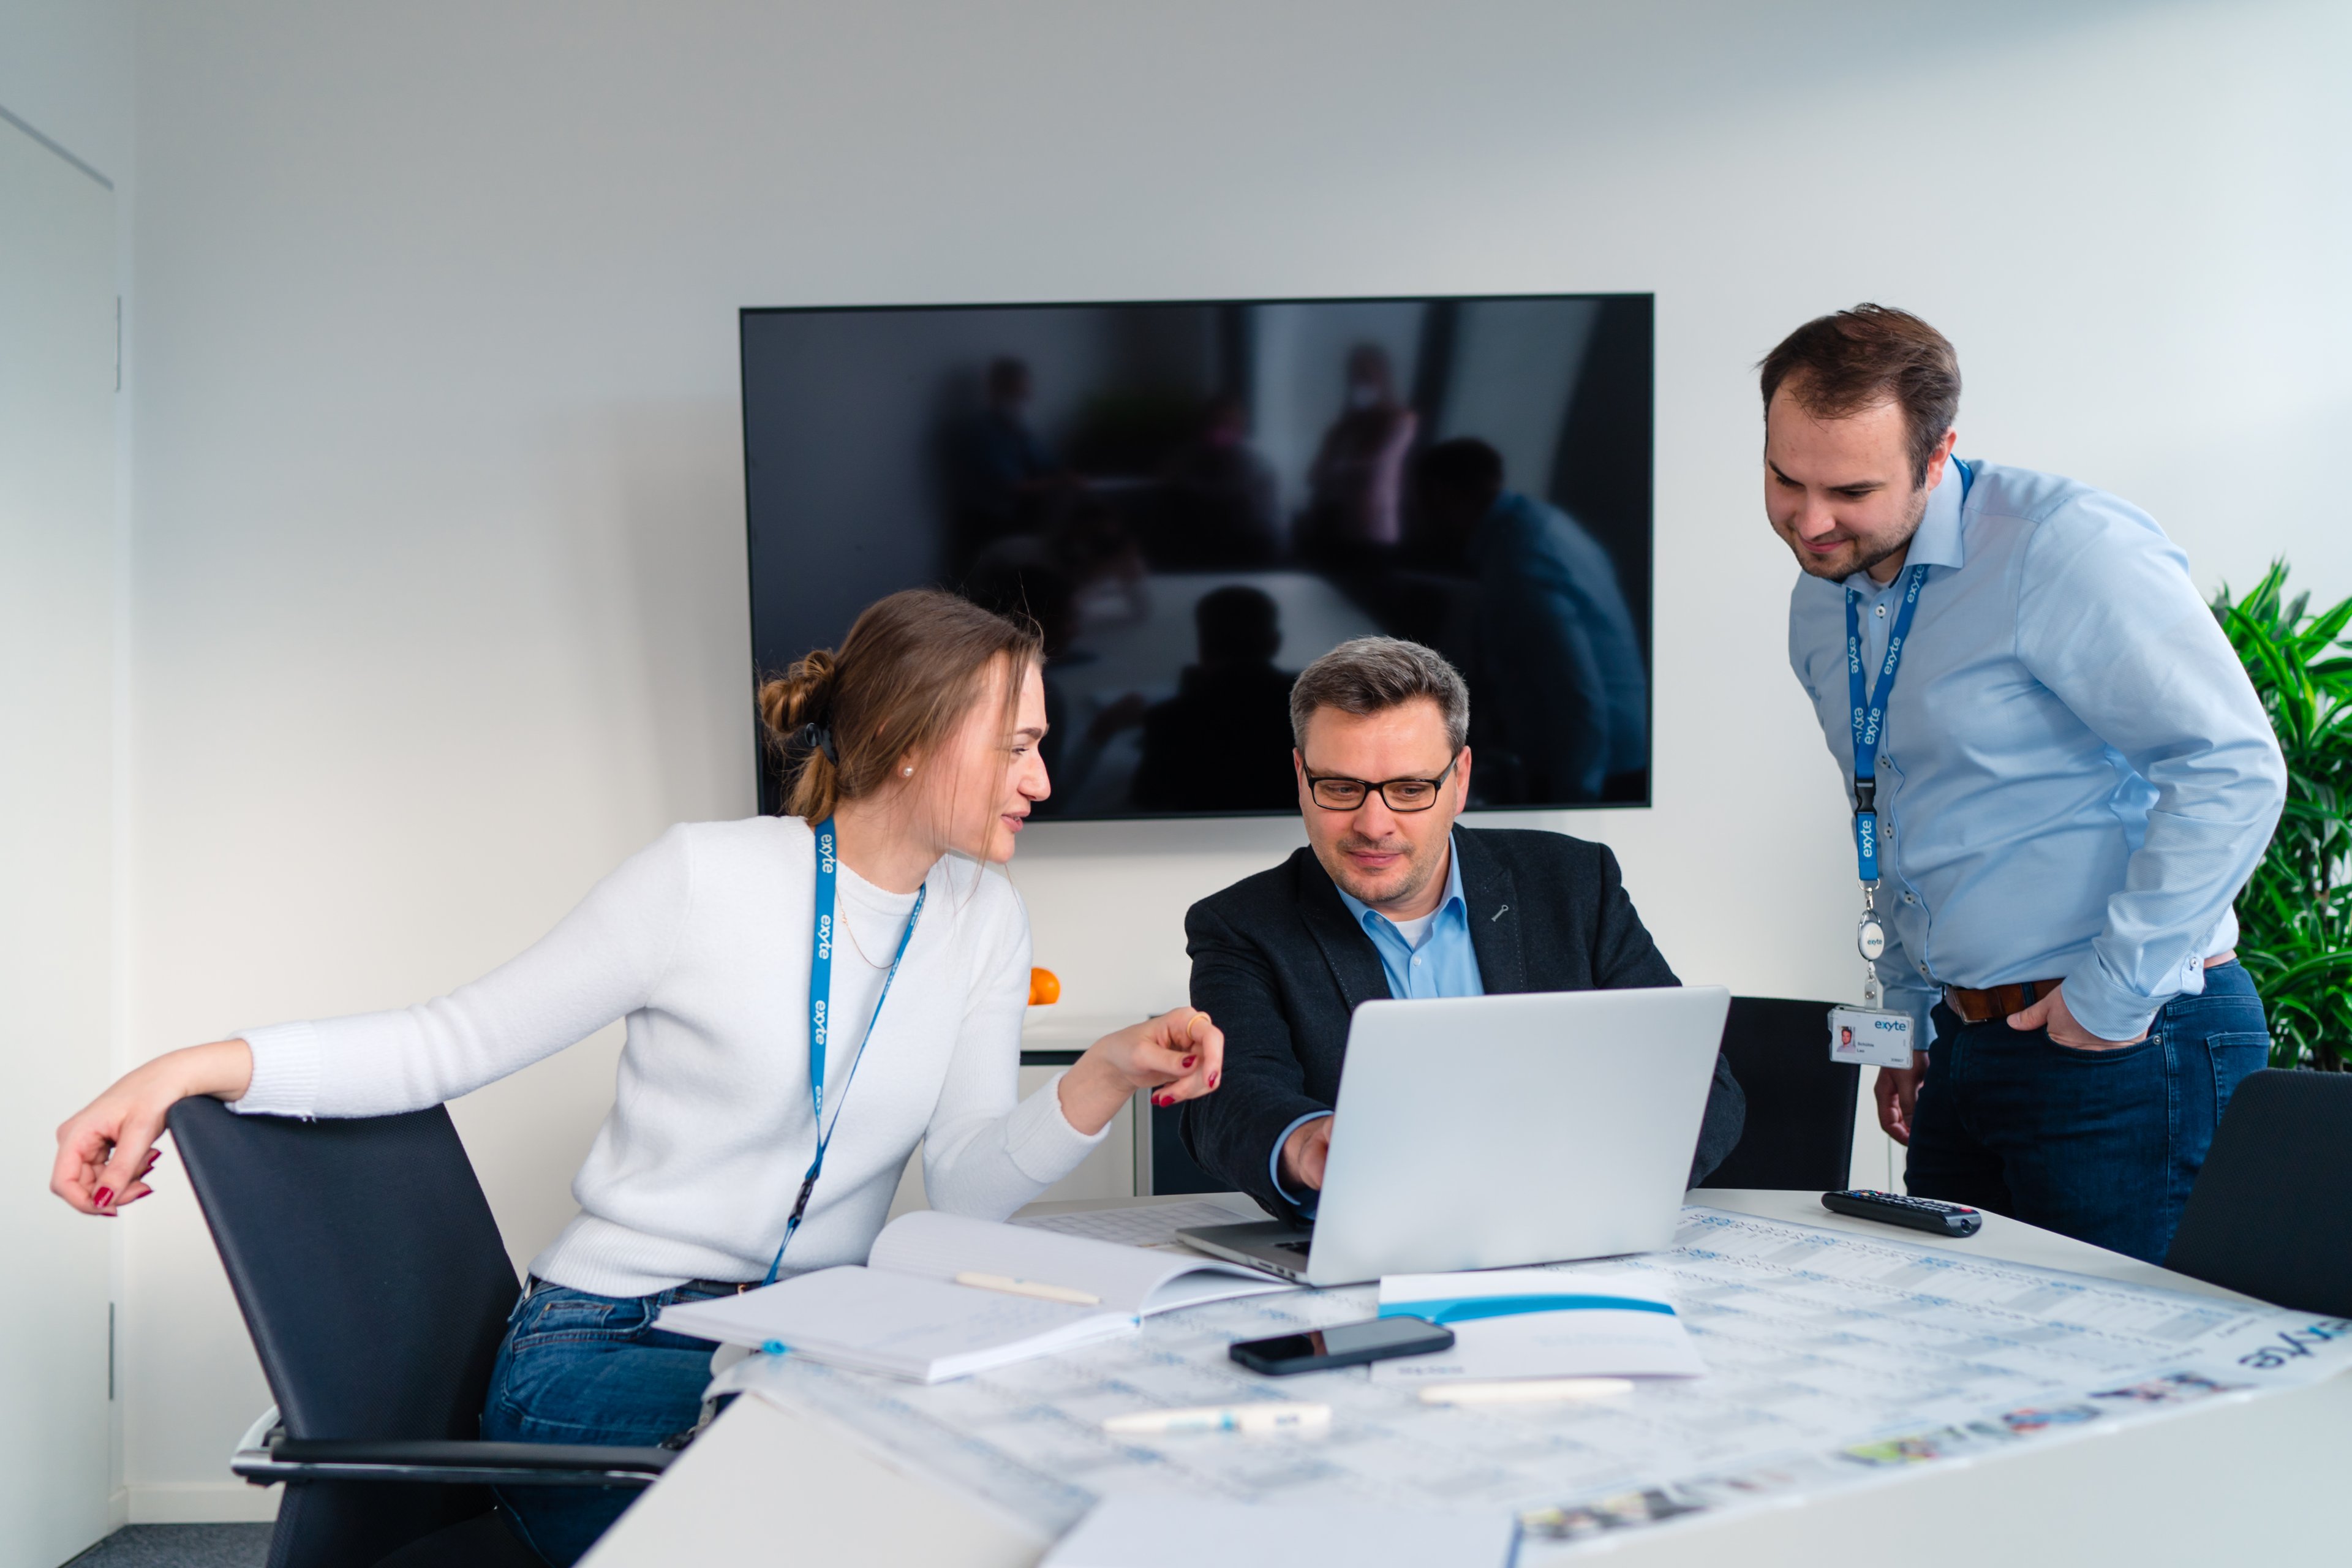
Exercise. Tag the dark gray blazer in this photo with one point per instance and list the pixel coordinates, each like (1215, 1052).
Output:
(1280, 965)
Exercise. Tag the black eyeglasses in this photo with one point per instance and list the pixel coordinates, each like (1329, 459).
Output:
(1334, 793)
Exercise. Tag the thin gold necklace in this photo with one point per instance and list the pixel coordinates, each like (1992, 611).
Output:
(849, 927)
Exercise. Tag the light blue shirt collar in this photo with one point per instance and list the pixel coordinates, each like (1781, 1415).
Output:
(1938, 541)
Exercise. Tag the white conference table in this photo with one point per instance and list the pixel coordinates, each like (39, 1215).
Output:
(2258, 1482)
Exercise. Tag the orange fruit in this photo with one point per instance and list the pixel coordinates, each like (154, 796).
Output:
(1044, 988)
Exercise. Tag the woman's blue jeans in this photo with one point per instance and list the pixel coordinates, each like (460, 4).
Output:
(2098, 1145)
(577, 1368)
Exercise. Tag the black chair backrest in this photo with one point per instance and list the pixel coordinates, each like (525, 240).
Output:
(373, 1279)
(1800, 1129)
(2271, 1214)
(365, 1259)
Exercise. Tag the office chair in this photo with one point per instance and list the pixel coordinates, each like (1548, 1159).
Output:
(1800, 1129)
(376, 1290)
(2269, 1215)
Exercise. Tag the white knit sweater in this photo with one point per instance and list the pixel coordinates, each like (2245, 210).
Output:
(701, 941)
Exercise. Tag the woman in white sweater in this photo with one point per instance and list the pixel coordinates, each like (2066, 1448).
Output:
(914, 754)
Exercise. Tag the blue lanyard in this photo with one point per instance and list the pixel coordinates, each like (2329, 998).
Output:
(828, 863)
(1869, 709)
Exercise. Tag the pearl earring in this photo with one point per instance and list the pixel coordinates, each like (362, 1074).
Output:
(907, 772)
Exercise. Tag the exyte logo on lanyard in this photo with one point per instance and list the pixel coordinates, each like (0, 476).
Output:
(1868, 707)
(828, 865)
(1870, 713)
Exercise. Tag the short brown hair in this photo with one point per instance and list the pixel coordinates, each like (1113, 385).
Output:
(909, 670)
(1840, 365)
(1372, 675)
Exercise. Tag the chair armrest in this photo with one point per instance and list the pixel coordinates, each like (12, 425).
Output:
(449, 1462)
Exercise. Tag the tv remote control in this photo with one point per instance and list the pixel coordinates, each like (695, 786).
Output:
(1894, 1208)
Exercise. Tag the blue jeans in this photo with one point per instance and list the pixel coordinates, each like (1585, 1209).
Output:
(2098, 1145)
(577, 1368)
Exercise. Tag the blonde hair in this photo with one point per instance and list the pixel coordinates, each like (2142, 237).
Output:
(904, 678)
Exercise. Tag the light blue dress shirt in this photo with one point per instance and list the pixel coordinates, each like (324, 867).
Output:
(1445, 964)
(2075, 777)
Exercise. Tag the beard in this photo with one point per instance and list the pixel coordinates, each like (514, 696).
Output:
(1868, 553)
(1415, 873)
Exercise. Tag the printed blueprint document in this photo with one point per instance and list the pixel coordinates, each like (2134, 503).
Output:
(1833, 1359)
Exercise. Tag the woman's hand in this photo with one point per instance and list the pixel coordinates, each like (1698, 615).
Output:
(1178, 1055)
(105, 1153)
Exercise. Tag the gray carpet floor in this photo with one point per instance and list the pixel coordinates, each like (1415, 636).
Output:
(181, 1546)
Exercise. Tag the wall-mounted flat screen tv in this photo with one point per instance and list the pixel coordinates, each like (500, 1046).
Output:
(1194, 499)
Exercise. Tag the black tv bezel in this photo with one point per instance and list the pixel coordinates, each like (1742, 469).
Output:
(1650, 587)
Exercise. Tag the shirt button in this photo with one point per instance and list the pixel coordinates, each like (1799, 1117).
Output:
(1909, 899)
(1923, 969)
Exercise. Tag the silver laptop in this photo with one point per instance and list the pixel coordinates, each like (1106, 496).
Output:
(1485, 1131)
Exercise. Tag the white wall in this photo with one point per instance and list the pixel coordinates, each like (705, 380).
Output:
(67, 73)
(439, 580)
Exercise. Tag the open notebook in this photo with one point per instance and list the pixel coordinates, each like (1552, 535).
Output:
(903, 1313)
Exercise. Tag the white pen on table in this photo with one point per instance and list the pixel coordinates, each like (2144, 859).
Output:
(1525, 1390)
(1042, 1291)
(1281, 1416)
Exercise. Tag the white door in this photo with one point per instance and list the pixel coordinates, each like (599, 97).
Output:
(57, 784)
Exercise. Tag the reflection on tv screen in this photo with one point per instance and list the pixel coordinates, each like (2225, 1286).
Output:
(1194, 500)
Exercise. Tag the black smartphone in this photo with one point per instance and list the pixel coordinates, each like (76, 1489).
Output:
(1344, 1344)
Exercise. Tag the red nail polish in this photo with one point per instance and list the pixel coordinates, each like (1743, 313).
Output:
(1190, 1061)
(102, 1197)
(1214, 1078)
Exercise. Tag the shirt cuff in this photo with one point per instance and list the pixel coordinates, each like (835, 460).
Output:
(2106, 1009)
(285, 1071)
(1043, 1144)
(1273, 1164)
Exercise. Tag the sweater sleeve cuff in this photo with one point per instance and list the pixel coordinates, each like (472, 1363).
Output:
(1045, 1147)
(285, 1071)
(2106, 1009)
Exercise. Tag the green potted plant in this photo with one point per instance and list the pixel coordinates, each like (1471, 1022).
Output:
(2295, 916)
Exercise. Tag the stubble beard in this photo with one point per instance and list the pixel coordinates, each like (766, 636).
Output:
(1417, 875)
(1865, 563)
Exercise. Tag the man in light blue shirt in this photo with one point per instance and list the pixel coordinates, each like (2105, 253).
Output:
(2073, 780)
(1390, 898)
(1430, 956)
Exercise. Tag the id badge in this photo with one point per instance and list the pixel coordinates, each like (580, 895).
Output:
(1868, 1036)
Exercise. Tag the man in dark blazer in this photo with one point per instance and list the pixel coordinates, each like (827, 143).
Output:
(1391, 899)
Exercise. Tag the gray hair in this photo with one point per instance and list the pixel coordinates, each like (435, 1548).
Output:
(1372, 675)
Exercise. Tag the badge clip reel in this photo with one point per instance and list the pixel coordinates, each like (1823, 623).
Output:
(1869, 1036)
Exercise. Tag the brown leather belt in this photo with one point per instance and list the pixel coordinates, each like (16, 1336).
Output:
(1999, 1001)
(1996, 1001)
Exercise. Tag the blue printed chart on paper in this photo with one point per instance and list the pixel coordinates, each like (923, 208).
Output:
(1835, 1360)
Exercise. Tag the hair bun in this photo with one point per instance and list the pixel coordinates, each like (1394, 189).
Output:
(796, 704)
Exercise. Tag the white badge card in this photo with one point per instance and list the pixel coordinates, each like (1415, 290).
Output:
(1870, 1037)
